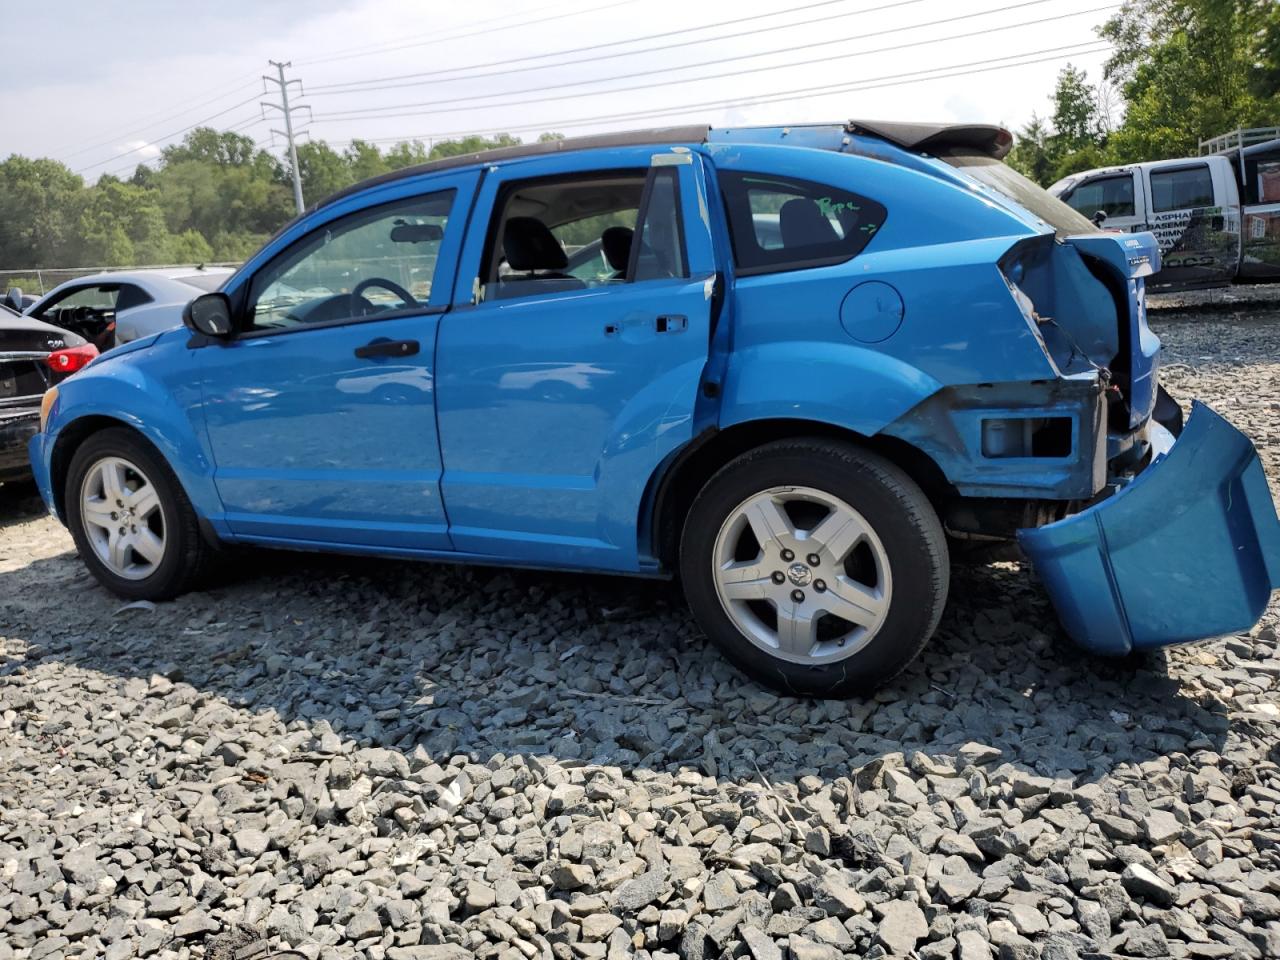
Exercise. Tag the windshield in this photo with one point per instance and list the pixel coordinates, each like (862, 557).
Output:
(207, 282)
(1013, 185)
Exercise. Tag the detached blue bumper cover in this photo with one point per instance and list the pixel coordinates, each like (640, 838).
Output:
(1189, 550)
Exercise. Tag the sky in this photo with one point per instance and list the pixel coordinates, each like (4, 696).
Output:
(104, 86)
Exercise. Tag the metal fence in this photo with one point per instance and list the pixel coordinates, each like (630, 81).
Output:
(40, 280)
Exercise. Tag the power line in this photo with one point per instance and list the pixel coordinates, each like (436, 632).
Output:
(374, 112)
(227, 91)
(236, 127)
(167, 136)
(747, 56)
(953, 70)
(434, 39)
(628, 53)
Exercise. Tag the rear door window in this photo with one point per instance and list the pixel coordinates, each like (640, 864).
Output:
(1182, 188)
(131, 295)
(1110, 195)
(1262, 177)
(780, 223)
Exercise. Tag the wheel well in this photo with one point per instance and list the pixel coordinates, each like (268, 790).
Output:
(69, 440)
(679, 484)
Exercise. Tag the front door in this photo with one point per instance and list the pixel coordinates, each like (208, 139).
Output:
(1199, 235)
(321, 410)
(1261, 239)
(562, 389)
(1118, 196)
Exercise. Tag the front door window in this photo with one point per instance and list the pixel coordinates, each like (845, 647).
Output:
(368, 265)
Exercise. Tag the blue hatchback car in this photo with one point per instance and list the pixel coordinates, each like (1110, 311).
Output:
(784, 364)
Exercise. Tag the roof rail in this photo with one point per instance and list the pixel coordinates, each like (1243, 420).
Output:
(1238, 139)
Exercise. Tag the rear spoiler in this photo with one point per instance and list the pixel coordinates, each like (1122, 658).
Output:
(937, 137)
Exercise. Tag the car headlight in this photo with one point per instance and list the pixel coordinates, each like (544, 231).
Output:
(46, 404)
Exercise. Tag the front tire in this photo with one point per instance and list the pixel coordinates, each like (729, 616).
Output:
(131, 521)
(818, 568)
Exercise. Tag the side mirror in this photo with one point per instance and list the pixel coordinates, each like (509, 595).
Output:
(1099, 217)
(13, 299)
(209, 314)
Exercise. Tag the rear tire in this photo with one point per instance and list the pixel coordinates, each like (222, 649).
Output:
(131, 521)
(818, 568)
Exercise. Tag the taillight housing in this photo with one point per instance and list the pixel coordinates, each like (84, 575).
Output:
(71, 359)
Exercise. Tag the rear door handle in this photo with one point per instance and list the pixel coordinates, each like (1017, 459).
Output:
(387, 348)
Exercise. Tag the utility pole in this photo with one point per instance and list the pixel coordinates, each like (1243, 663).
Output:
(287, 133)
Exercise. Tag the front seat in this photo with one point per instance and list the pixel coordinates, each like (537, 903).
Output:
(532, 250)
(616, 244)
(803, 224)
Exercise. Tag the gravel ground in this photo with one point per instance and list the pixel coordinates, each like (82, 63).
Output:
(385, 760)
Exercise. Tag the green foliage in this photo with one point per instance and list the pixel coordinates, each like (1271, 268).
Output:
(1191, 69)
(1074, 138)
(1187, 70)
(1075, 110)
(1030, 153)
(214, 196)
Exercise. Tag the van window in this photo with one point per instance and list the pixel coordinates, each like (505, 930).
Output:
(1111, 195)
(1181, 188)
(1262, 177)
(779, 223)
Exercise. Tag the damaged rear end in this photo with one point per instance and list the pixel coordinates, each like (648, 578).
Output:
(1182, 543)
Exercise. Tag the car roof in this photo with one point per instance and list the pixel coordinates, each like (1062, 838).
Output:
(126, 274)
(155, 280)
(993, 140)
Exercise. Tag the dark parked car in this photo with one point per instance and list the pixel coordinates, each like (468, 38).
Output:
(33, 356)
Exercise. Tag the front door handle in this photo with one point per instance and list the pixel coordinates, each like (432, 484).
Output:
(387, 348)
(672, 323)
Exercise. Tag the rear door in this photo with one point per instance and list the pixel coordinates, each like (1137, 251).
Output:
(1260, 259)
(1195, 220)
(559, 393)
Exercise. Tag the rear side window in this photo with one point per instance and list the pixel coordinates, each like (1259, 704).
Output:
(1181, 189)
(1262, 177)
(131, 296)
(1110, 195)
(779, 223)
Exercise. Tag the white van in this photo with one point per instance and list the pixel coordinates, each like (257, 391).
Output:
(1217, 218)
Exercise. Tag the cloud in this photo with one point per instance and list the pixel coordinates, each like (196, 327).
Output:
(142, 149)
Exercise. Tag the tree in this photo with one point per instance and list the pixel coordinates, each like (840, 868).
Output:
(214, 196)
(1075, 109)
(211, 146)
(1190, 69)
(1030, 154)
(1265, 79)
(323, 171)
(38, 211)
(364, 159)
(454, 148)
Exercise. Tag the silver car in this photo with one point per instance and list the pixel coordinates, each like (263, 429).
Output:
(113, 308)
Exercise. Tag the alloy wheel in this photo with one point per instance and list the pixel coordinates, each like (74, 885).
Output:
(123, 521)
(802, 575)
